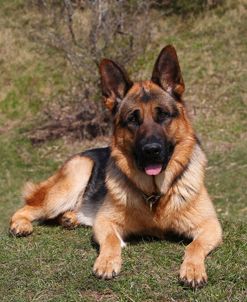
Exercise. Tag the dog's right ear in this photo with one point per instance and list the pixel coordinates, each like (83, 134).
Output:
(115, 83)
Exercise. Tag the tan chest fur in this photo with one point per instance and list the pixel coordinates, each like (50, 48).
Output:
(180, 209)
(166, 216)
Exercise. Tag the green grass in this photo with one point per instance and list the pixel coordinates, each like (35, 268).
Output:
(55, 264)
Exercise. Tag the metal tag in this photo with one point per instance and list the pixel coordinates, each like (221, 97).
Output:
(152, 199)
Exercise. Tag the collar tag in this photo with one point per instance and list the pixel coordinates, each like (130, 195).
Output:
(151, 199)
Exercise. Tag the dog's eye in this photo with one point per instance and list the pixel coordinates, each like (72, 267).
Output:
(134, 118)
(162, 115)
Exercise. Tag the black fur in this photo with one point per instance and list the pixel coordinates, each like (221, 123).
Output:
(96, 188)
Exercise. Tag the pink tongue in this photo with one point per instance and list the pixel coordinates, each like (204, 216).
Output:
(153, 169)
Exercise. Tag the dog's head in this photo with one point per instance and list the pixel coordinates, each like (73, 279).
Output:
(149, 116)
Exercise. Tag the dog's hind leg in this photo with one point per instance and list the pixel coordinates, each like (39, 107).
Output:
(58, 194)
(69, 220)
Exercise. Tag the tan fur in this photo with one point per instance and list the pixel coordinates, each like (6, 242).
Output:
(58, 194)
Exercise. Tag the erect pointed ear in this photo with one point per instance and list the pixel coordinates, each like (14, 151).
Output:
(167, 73)
(115, 83)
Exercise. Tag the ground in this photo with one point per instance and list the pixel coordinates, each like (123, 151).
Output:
(54, 264)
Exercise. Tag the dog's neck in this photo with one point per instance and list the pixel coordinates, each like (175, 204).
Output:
(119, 182)
(152, 188)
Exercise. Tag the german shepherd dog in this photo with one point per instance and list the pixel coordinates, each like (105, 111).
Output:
(150, 180)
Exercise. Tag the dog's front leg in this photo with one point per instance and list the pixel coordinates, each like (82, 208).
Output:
(108, 263)
(207, 237)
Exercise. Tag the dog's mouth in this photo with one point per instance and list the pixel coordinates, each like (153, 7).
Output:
(154, 169)
(153, 164)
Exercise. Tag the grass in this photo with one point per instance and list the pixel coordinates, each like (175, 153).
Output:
(55, 264)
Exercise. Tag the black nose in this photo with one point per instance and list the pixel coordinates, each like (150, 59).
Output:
(153, 149)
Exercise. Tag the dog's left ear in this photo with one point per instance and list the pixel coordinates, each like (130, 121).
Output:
(115, 83)
(167, 73)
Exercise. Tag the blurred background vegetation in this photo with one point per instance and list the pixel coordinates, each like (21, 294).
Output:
(62, 42)
(50, 108)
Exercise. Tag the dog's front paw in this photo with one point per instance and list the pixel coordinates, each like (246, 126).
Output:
(193, 274)
(107, 267)
(21, 227)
